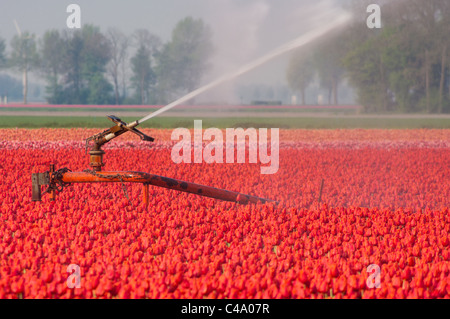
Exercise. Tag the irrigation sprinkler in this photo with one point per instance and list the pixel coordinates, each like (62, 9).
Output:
(56, 180)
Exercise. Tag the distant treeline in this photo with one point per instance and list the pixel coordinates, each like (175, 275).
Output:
(402, 67)
(86, 66)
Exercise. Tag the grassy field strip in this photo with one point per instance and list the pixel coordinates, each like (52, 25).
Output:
(224, 122)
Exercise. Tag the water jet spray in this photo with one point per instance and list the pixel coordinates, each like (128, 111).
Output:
(300, 41)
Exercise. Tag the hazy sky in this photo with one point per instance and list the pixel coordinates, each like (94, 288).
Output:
(158, 16)
(242, 29)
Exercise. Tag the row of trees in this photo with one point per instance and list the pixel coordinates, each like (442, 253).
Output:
(402, 67)
(87, 66)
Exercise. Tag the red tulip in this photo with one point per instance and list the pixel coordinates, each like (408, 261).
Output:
(185, 246)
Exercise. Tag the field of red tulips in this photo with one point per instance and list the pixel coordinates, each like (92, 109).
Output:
(385, 201)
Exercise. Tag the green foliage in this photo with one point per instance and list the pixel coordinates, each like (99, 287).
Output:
(404, 67)
(143, 75)
(300, 73)
(75, 66)
(366, 72)
(52, 53)
(52, 64)
(100, 90)
(184, 60)
(327, 59)
(24, 55)
(95, 52)
(116, 68)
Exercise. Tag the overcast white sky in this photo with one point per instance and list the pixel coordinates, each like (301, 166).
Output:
(242, 29)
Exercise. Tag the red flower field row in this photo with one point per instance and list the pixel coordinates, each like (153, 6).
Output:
(385, 201)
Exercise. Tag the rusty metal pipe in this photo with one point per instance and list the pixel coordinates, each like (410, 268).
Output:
(56, 180)
(161, 181)
(145, 194)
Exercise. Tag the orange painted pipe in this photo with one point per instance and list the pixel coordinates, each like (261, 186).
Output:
(161, 181)
(145, 194)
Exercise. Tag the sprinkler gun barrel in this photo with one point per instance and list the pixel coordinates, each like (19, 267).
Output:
(115, 131)
(134, 124)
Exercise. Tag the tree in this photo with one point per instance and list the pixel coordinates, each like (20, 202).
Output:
(144, 78)
(24, 57)
(147, 39)
(99, 90)
(96, 52)
(96, 56)
(184, 60)
(52, 64)
(73, 78)
(119, 44)
(367, 72)
(143, 75)
(433, 22)
(75, 63)
(405, 65)
(328, 64)
(300, 73)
